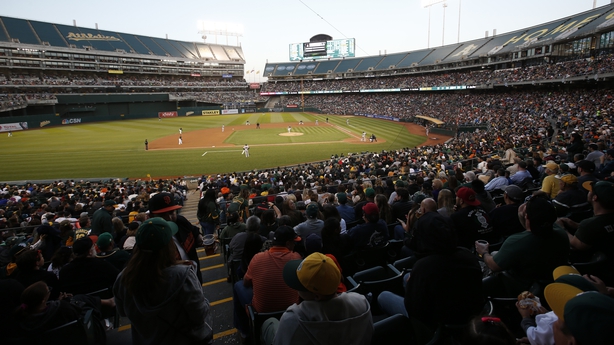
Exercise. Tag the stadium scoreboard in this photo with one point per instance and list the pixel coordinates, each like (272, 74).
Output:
(334, 49)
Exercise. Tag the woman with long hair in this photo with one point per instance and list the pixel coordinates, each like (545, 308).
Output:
(445, 203)
(289, 209)
(162, 297)
(384, 209)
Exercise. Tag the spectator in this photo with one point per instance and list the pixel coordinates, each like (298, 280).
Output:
(594, 233)
(234, 225)
(570, 197)
(157, 294)
(372, 233)
(30, 270)
(263, 285)
(85, 273)
(102, 218)
(471, 220)
(585, 171)
(164, 206)
(208, 213)
(527, 256)
(115, 256)
(445, 203)
(550, 185)
(504, 218)
(312, 225)
(444, 286)
(583, 318)
(346, 211)
(316, 278)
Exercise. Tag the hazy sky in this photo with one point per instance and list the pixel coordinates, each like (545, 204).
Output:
(270, 26)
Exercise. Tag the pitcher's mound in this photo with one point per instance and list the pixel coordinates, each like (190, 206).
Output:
(291, 134)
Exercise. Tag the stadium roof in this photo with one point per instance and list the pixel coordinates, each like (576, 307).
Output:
(558, 31)
(42, 34)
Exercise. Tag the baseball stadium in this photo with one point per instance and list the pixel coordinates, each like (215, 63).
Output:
(117, 135)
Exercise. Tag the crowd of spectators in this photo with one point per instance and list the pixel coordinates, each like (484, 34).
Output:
(583, 67)
(120, 79)
(432, 198)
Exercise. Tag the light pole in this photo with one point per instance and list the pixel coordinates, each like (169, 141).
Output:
(459, 18)
(443, 32)
(429, 3)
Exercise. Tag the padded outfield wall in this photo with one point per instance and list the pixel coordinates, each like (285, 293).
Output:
(84, 108)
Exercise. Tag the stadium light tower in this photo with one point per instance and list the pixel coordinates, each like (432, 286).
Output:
(425, 4)
(459, 18)
(443, 31)
(220, 29)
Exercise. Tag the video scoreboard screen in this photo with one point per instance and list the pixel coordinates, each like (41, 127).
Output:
(334, 49)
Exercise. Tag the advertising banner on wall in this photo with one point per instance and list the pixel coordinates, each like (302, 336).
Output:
(70, 121)
(164, 114)
(11, 127)
(211, 112)
(230, 111)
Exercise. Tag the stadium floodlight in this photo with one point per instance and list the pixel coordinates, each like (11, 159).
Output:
(220, 29)
(429, 3)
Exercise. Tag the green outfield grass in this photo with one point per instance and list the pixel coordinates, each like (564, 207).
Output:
(116, 149)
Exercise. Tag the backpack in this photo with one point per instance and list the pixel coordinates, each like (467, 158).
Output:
(236, 205)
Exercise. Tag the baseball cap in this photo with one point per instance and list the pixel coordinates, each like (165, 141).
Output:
(162, 202)
(370, 209)
(155, 233)
(82, 246)
(317, 273)
(610, 152)
(513, 192)
(312, 210)
(588, 315)
(370, 192)
(284, 234)
(400, 183)
(104, 240)
(468, 196)
(313, 243)
(110, 202)
(552, 167)
(587, 166)
(569, 179)
(603, 189)
(564, 270)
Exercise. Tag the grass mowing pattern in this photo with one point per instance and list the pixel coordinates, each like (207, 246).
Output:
(116, 149)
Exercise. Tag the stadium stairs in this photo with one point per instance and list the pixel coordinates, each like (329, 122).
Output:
(217, 290)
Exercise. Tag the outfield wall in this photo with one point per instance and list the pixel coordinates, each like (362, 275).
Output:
(84, 108)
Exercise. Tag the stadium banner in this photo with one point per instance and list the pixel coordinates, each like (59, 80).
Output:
(230, 111)
(164, 114)
(374, 116)
(44, 123)
(210, 112)
(445, 88)
(291, 105)
(254, 85)
(71, 121)
(10, 127)
(226, 75)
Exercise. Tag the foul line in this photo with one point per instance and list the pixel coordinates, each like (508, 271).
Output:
(221, 151)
